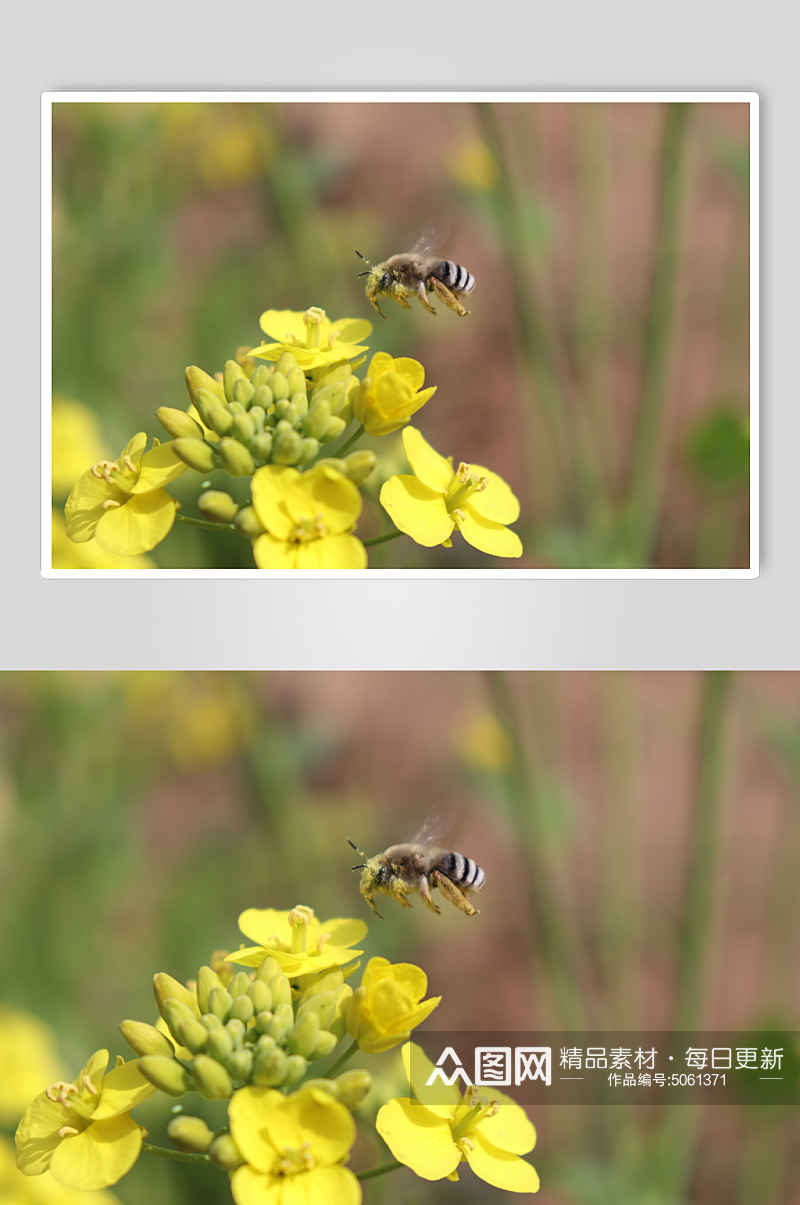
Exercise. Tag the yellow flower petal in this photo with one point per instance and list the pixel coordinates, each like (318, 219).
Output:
(510, 1129)
(417, 510)
(283, 326)
(487, 536)
(100, 1156)
(158, 467)
(434, 470)
(343, 931)
(84, 508)
(123, 1089)
(139, 525)
(37, 1135)
(496, 502)
(412, 371)
(439, 1097)
(333, 552)
(418, 1138)
(312, 1117)
(352, 330)
(326, 492)
(272, 553)
(322, 1186)
(499, 1168)
(252, 1187)
(268, 491)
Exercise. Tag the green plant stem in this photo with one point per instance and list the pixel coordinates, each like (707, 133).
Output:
(206, 524)
(180, 1156)
(378, 1171)
(645, 486)
(389, 535)
(340, 452)
(340, 1062)
(679, 1134)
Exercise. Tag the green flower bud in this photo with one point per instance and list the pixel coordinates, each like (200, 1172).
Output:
(308, 450)
(324, 1085)
(259, 993)
(219, 1044)
(286, 448)
(269, 1066)
(236, 1029)
(323, 1004)
(232, 373)
(206, 977)
(196, 454)
(285, 364)
(332, 394)
(235, 408)
(325, 1044)
(260, 377)
(210, 1021)
(282, 1021)
(337, 1024)
(261, 445)
(353, 1087)
(326, 981)
(178, 424)
(240, 1064)
(280, 989)
(334, 429)
(235, 458)
(279, 386)
(360, 465)
(267, 970)
(262, 396)
(281, 409)
(247, 523)
(239, 984)
(197, 379)
(354, 1011)
(219, 1003)
(189, 1134)
(217, 506)
(211, 1079)
(224, 1152)
(263, 1020)
(206, 402)
(174, 1012)
(300, 403)
(146, 1039)
(296, 380)
(303, 1036)
(331, 462)
(265, 1042)
(296, 1067)
(346, 412)
(292, 415)
(317, 419)
(167, 1074)
(243, 428)
(258, 415)
(219, 419)
(243, 392)
(192, 1034)
(271, 420)
(243, 1009)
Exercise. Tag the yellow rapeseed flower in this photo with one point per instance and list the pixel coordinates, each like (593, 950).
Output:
(390, 393)
(309, 518)
(438, 499)
(18, 1189)
(484, 1128)
(123, 504)
(295, 1147)
(388, 1005)
(313, 339)
(300, 943)
(83, 1132)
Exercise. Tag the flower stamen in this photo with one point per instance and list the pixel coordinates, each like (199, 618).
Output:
(109, 504)
(67, 1132)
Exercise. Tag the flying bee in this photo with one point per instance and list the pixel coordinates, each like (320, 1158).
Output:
(416, 273)
(420, 866)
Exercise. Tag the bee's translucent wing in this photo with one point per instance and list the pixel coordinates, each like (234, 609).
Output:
(431, 239)
(434, 828)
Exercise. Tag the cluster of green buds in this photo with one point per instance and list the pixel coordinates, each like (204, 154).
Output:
(254, 1029)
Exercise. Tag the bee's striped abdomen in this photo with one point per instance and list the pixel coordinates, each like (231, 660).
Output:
(455, 277)
(463, 870)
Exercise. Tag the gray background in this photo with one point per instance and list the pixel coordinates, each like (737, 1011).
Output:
(397, 623)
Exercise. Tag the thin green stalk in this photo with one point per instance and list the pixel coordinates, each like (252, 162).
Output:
(359, 431)
(180, 1156)
(680, 1129)
(645, 486)
(558, 941)
(340, 1062)
(379, 1171)
(535, 335)
(389, 535)
(206, 524)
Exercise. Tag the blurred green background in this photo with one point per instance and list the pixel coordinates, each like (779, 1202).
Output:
(640, 835)
(603, 372)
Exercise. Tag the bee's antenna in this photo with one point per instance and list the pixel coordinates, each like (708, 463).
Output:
(366, 261)
(358, 851)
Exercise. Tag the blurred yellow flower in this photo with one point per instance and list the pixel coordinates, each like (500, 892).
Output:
(390, 393)
(482, 742)
(19, 1189)
(28, 1059)
(77, 441)
(388, 1005)
(474, 166)
(67, 554)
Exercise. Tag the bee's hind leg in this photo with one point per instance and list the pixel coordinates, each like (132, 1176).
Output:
(422, 295)
(444, 294)
(425, 892)
(452, 893)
